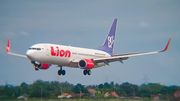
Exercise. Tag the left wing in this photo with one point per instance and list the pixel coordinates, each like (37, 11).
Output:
(121, 57)
(8, 51)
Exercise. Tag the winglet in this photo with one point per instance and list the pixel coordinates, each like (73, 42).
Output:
(167, 46)
(8, 46)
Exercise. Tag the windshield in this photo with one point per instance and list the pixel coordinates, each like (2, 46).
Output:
(34, 48)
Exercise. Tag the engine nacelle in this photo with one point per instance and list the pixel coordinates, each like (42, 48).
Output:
(43, 66)
(86, 64)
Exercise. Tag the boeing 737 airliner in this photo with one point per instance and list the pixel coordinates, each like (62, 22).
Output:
(43, 55)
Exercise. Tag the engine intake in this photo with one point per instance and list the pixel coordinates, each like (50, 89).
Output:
(86, 64)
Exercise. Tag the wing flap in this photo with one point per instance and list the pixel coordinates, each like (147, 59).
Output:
(124, 56)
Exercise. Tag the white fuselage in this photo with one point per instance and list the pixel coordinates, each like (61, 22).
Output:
(62, 55)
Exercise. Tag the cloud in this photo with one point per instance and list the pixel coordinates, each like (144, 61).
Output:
(8, 34)
(137, 24)
(3, 48)
(23, 33)
(144, 25)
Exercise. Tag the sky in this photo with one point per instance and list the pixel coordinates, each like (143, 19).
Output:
(143, 26)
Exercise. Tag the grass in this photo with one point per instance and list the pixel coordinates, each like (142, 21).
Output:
(38, 99)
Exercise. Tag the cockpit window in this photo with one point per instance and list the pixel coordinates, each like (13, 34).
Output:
(34, 48)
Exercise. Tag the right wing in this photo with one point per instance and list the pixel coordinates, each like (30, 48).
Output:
(121, 57)
(8, 51)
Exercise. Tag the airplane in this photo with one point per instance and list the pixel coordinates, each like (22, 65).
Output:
(43, 55)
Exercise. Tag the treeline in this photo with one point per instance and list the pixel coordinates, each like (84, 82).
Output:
(55, 88)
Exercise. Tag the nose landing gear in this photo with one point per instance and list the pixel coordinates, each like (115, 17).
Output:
(36, 68)
(35, 65)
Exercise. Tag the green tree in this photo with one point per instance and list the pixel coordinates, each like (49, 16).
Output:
(55, 89)
(79, 87)
(39, 87)
(129, 89)
(173, 89)
(98, 93)
(16, 91)
(107, 85)
(100, 86)
(155, 88)
(24, 88)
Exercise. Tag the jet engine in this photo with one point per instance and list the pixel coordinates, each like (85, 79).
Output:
(86, 64)
(38, 65)
(43, 66)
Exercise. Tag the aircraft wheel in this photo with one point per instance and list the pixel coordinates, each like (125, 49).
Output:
(59, 72)
(36, 69)
(63, 72)
(89, 72)
(85, 72)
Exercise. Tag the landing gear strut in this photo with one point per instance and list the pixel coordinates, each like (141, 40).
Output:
(61, 71)
(86, 71)
(35, 66)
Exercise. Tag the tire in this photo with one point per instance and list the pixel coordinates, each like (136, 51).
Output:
(85, 72)
(63, 72)
(36, 69)
(89, 72)
(59, 72)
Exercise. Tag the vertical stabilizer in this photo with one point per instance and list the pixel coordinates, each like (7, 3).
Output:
(109, 42)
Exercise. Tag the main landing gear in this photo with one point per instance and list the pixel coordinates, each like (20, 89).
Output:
(86, 71)
(61, 71)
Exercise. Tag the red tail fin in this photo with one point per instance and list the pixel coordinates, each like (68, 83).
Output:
(8, 47)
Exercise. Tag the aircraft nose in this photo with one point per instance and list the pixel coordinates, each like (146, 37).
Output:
(30, 54)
